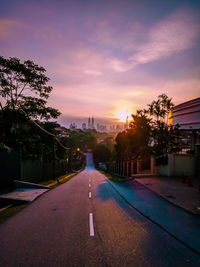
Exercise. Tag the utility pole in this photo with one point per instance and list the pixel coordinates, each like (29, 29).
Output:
(54, 161)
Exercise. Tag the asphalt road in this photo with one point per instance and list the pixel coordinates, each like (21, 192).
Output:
(85, 222)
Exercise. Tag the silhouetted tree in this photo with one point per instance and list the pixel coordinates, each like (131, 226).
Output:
(101, 153)
(149, 132)
(24, 87)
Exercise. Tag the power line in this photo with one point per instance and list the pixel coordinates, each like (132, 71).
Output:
(47, 132)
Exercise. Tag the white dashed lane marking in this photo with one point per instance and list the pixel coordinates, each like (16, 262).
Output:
(91, 224)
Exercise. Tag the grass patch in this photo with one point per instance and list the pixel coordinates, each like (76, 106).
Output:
(62, 179)
(5, 214)
(112, 177)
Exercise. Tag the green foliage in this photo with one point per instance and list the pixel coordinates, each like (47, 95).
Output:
(82, 139)
(149, 132)
(165, 137)
(25, 91)
(134, 141)
(20, 134)
(159, 108)
(101, 153)
(24, 87)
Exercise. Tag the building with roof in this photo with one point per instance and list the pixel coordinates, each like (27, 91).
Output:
(187, 162)
(187, 116)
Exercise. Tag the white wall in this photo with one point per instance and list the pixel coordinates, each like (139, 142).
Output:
(178, 164)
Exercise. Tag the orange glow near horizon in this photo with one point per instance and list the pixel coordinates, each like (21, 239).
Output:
(122, 115)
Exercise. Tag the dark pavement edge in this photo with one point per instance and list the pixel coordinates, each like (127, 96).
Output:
(165, 198)
(153, 221)
(39, 186)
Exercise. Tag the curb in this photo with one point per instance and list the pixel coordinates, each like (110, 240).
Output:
(22, 184)
(6, 207)
(153, 221)
(188, 211)
(60, 180)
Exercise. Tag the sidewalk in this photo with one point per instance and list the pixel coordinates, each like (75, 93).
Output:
(182, 225)
(24, 192)
(23, 195)
(175, 191)
(27, 192)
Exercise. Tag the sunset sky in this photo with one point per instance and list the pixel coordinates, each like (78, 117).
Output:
(105, 56)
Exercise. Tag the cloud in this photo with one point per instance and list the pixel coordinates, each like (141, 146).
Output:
(172, 35)
(7, 26)
(93, 72)
(119, 65)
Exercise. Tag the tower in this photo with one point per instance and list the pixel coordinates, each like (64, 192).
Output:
(92, 123)
(89, 123)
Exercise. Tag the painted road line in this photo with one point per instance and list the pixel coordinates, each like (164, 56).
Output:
(6, 207)
(90, 194)
(91, 224)
(89, 185)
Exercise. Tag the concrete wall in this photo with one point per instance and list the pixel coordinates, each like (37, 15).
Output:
(178, 164)
(184, 164)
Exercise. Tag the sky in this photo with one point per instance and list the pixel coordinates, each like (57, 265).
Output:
(109, 55)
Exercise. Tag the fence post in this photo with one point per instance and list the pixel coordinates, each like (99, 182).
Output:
(153, 166)
(138, 165)
(131, 167)
(124, 168)
(127, 168)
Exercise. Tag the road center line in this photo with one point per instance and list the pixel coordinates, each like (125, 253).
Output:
(89, 185)
(90, 194)
(91, 224)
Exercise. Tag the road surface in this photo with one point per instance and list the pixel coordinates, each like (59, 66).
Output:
(85, 222)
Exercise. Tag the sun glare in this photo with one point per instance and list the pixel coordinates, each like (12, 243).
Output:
(122, 115)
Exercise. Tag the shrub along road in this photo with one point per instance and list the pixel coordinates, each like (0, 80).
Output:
(85, 222)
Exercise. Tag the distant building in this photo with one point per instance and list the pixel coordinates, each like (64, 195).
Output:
(92, 126)
(89, 123)
(73, 126)
(62, 132)
(84, 126)
(101, 128)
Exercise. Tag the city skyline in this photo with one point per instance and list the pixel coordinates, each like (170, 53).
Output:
(107, 57)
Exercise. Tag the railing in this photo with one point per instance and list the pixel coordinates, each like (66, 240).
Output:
(128, 168)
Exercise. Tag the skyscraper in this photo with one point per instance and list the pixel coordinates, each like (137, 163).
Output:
(89, 123)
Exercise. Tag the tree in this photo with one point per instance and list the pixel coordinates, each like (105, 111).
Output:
(24, 87)
(159, 109)
(165, 137)
(149, 132)
(101, 153)
(135, 140)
